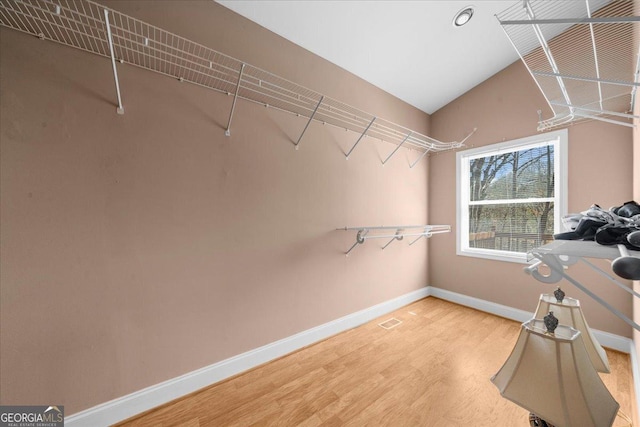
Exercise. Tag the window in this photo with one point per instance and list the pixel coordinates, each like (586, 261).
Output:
(511, 196)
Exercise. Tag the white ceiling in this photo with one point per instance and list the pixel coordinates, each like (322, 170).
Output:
(407, 48)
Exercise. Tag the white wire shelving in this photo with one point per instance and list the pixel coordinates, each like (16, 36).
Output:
(94, 28)
(582, 54)
(401, 231)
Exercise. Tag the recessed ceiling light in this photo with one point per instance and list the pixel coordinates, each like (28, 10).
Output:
(463, 16)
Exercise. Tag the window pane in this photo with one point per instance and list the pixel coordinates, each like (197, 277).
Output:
(510, 227)
(516, 175)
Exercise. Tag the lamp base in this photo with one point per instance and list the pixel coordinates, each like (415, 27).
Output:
(536, 421)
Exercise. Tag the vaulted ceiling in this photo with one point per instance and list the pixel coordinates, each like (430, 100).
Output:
(410, 49)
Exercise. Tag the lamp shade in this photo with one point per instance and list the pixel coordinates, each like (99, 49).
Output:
(569, 313)
(551, 375)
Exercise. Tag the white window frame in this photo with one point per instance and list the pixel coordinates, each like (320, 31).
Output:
(559, 139)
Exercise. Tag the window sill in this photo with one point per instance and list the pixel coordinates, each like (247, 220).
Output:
(515, 257)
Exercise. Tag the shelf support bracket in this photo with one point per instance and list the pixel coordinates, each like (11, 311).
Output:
(416, 239)
(361, 136)
(309, 122)
(227, 131)
(419, 158)
(397, 148)
(120, 109)
(360, 238)
(398, 236)
(427, 234)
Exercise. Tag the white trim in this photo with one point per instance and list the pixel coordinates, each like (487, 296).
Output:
(562, 173)
(613, 341)
(514, 145)
(606, 339)
(510, 201)
(482, 305)
(635, 372)
(496, 255)
(132, 404)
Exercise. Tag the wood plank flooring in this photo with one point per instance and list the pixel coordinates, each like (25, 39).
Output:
(431, 370)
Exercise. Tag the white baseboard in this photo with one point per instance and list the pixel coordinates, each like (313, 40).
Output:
(606, 339)
(127, 406)
(482, 305)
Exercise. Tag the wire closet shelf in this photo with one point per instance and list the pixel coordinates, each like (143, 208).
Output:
(582, 54)
(92, 27)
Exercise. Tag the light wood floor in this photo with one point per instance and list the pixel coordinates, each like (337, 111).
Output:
(432, 370)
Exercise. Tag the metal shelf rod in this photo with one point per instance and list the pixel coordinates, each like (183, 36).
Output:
(120, 109)
(395, 236)
(397, 148)
(594, 110)
(585, 79)
(309, 122)
(420, 237)
(227, 132)
(612, 20)
(359, 139)
(393, 227)
(603, 119)
(418, 159)
(363, 233)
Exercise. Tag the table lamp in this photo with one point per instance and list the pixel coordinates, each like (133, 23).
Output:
(569, 313)
(549, 373)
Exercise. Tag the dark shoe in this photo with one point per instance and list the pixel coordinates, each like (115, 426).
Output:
(614, 235)
(587, 227)
(628, 210)
(634, 239)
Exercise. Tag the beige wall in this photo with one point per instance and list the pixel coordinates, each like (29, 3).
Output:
(141, 247)
(138, 248)
(600, 170)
